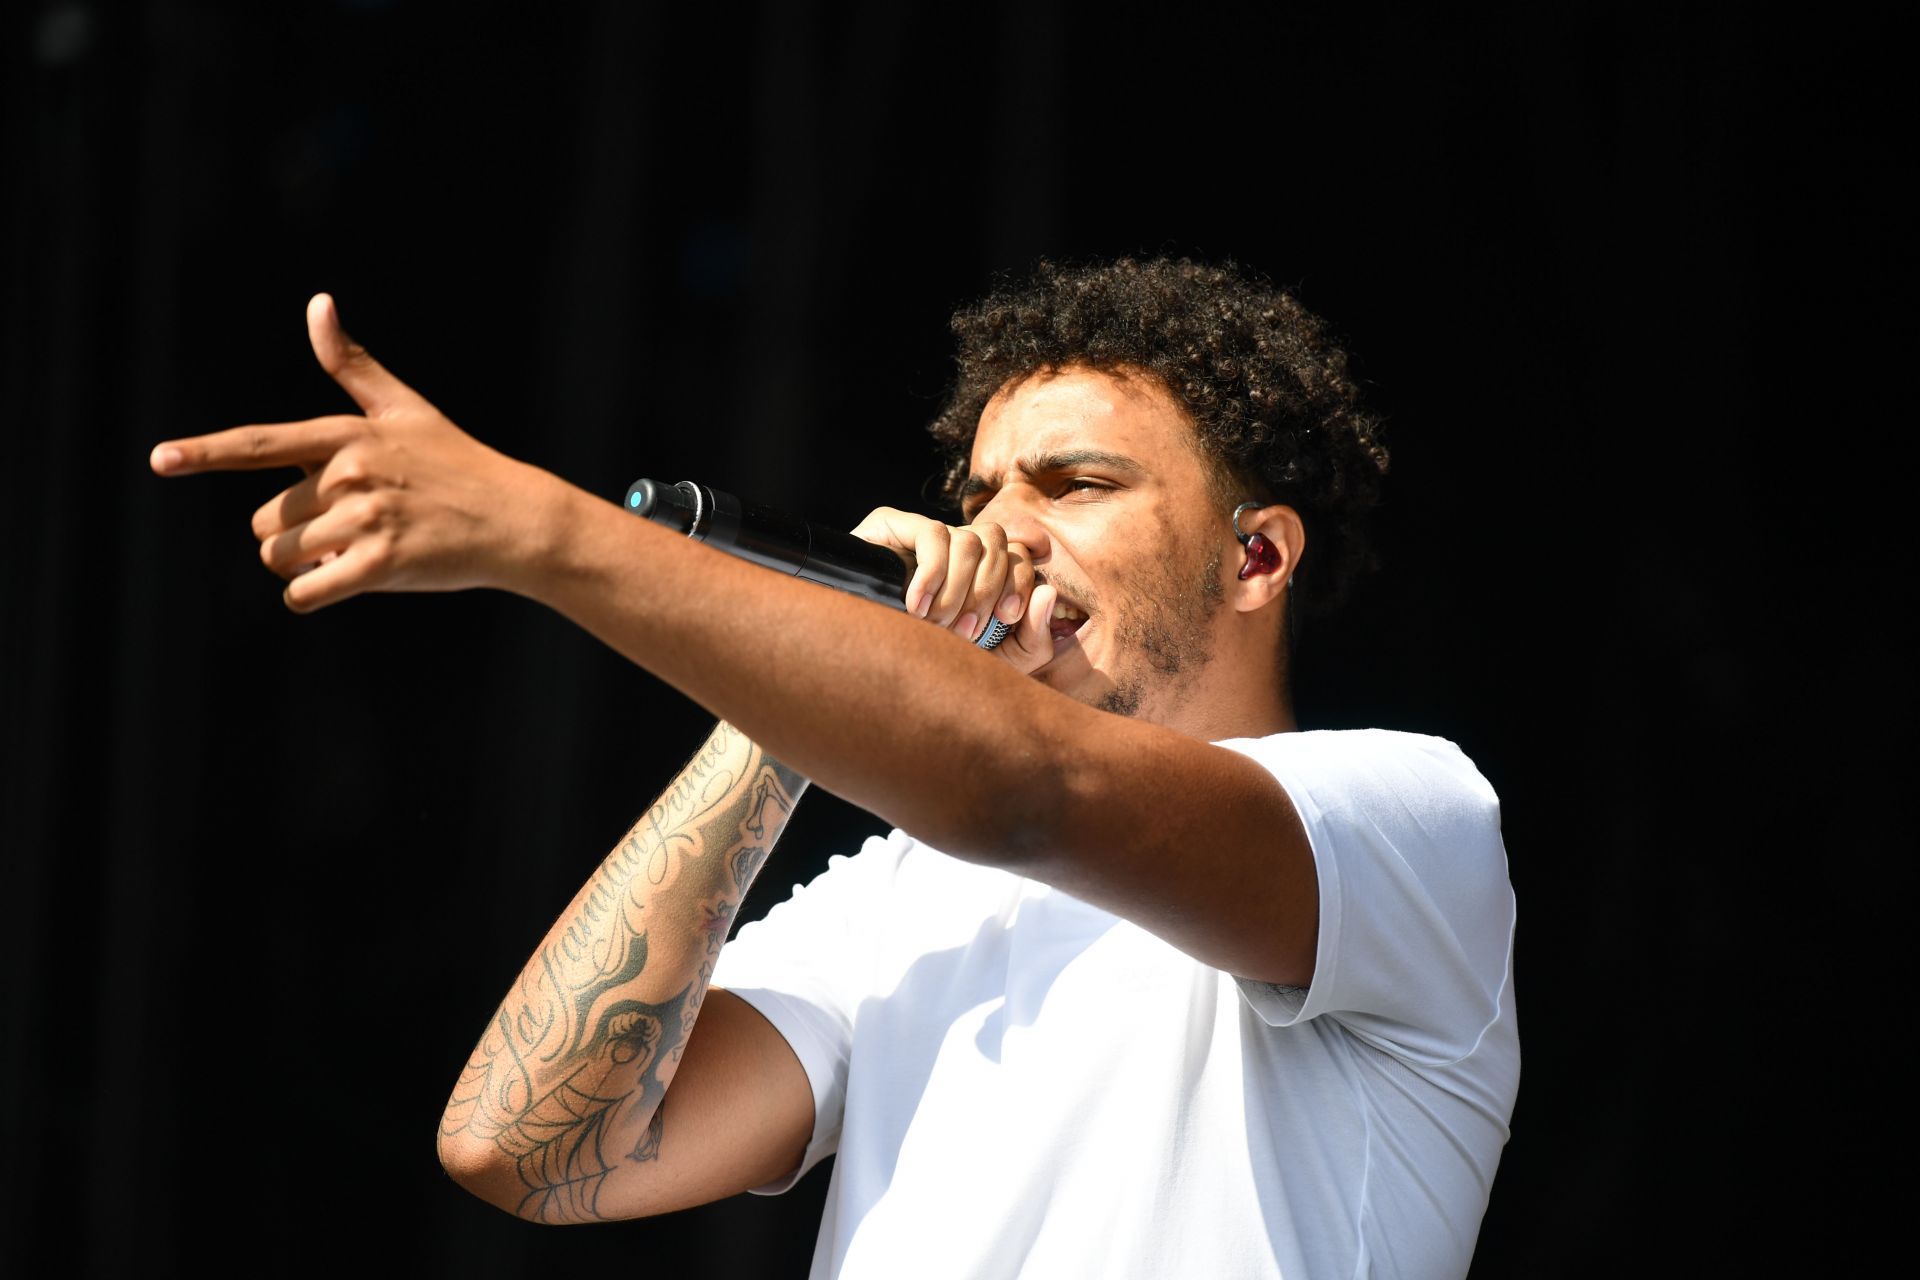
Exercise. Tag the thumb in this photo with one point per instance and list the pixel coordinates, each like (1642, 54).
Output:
(1030, 646)
(376, 391)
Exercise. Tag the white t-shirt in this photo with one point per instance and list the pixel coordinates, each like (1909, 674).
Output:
(1020, 1084)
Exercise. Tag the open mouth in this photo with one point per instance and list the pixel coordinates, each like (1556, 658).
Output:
(1066, 621)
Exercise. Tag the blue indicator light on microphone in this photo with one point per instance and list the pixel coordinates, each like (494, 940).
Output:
(633, 499)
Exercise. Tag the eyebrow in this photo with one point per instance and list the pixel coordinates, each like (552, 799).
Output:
(1053, 464)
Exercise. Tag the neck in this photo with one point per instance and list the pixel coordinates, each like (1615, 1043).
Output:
(1242, 691)
(1218, 706)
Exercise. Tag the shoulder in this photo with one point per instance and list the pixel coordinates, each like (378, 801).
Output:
(1395, 799)
(1326, 771)
(1414, 951)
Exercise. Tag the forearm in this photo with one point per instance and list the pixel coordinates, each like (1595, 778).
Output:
(568, 1077)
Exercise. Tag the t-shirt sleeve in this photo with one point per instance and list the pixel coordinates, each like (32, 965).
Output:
(1416, 911)
(805, 968)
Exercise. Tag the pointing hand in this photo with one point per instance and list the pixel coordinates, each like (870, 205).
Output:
(396, 498)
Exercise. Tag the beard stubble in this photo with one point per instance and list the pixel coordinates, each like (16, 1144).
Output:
(1167, 630)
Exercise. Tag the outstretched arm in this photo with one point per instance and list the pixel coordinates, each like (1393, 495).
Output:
(558, 1116)
(1193, 842)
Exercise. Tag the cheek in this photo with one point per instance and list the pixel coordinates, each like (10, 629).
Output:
(1171, 600)
(1174, 573)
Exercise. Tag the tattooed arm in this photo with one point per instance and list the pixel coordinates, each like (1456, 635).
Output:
(559, 1115)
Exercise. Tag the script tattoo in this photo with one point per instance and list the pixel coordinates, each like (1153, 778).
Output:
(581, 1051)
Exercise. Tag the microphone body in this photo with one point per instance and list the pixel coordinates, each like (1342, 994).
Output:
(793, 546)
(786, 543)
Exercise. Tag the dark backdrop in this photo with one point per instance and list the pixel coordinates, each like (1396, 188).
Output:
(1616, 277)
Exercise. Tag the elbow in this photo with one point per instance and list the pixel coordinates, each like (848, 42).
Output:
(462, 1158)
(480, 1169)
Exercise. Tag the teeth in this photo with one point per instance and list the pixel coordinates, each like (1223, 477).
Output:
(1066, 611)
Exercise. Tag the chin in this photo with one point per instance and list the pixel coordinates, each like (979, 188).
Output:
(1101, 693)
(1070, 673)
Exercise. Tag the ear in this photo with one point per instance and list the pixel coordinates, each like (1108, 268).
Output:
(1281, 527)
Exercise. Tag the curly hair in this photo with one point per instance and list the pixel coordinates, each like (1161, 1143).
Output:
(1272, 403)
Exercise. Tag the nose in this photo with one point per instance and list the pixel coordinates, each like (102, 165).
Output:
(1020, 520)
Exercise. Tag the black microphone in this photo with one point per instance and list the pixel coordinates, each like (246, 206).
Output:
(793, 546)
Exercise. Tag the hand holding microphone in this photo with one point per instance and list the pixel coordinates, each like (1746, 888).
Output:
(970, 581)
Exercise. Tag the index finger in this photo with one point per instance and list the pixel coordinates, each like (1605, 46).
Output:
(254, 448)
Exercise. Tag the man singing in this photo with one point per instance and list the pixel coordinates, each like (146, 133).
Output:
(1146, 981)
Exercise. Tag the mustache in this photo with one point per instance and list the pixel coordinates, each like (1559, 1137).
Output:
(1081, 595)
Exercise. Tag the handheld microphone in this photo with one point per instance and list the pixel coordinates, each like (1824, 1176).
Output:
(786, 543)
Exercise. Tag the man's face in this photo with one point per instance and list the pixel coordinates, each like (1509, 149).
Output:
(1099, 476)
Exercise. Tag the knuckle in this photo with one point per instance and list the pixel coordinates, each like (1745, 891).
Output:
(884, 526)
(349, 468)
(370, 511)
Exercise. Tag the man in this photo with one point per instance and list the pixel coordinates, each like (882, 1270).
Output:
(1157, 985)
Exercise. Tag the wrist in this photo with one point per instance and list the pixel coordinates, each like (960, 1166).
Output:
(550, 515)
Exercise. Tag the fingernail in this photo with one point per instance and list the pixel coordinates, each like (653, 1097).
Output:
(926, 603)
(166, 457)
(1010, 608)
(969, 624)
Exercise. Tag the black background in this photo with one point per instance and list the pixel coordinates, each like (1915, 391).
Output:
(1623, 281)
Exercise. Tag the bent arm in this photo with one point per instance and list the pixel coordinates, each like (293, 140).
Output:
(558, 1115)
